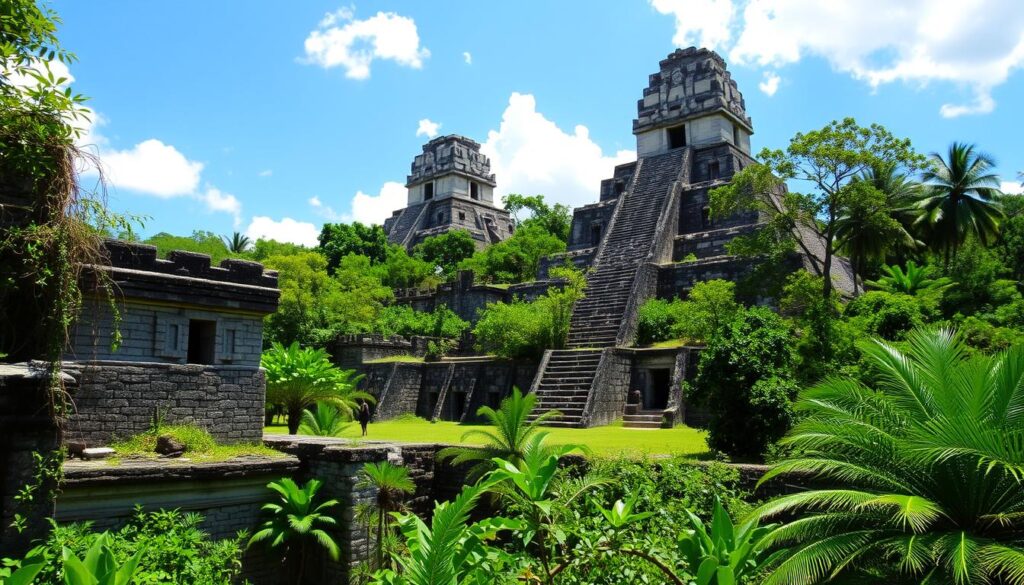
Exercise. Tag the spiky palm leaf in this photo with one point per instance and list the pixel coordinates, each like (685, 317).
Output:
(391, 484)
(916, 280)
(298, 377)
(237, 243)
(323, 421)
(960, 199)
(295, 516)
(512, 435)
(932, 460)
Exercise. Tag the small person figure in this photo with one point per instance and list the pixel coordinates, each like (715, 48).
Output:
(634, 397)
(364, 415)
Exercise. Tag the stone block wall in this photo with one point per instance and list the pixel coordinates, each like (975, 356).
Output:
(589, 221)
(154, 333)
(610, 389)
(120, 399)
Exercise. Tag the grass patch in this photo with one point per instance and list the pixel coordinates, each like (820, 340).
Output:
(667, 344)
(612, 440)
(199, 446)
(403, 359)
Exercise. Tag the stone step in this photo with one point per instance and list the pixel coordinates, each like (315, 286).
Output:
(641, 424)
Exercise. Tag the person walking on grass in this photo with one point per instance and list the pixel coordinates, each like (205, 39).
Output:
(364, 415)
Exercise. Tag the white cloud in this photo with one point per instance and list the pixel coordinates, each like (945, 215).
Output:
(531, 154)
(374, 209)
(325, 211)
(427, 128)
(1011, 187)
(467, 57)
(217, 200)
(151, 167)
(704, 23)
(340, 40)
(971, 44)
(769, 83)
(266, 173)
(285, 230)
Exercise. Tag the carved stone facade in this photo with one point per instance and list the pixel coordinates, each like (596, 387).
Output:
(189, 351)
(451, 187)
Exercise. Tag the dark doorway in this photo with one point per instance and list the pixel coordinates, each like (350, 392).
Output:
(656, 397)
(202, 335)
(458, 405)
(595, 234)
(428, 191)
(474, 191)
(713, 170)
(677, 136)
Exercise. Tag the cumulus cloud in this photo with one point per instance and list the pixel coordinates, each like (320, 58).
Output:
(972, 45)
(342, 41)
(217, 200)
(285, 230)
(530, 154)
(769, 83)
(704, 23)
(325, 211)
(1011, 187)
(467, 57)
(374, 209)
(151, 167)
(427, 128)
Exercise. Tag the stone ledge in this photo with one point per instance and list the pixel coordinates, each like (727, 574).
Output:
(87, 473)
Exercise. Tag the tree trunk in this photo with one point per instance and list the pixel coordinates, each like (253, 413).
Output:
(294, 418)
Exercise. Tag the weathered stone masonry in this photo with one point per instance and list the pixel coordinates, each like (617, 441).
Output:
(191, 335)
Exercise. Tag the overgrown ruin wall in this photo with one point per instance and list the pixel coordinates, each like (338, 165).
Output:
(118, 399)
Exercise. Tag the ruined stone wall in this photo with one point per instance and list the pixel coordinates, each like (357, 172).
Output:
(156, 333)
(115, 399)
(610, 389)
(581, 259)
(589, 221)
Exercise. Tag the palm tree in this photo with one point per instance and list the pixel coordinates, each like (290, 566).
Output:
(960, 199)
(298, 377)
(295, 519)
(928, 465)
(324, 421)
(916, 280)
(510, 438)
(391, 484)
(878, 217)
(237, 243)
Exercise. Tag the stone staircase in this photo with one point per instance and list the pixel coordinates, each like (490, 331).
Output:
(644, 419)
(406, 223)
(565, 385)
(566, 381)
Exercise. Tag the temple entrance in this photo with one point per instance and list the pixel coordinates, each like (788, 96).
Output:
(677, 136)
(657, 390)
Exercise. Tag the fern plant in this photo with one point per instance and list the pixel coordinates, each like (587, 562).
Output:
(914, 281)
(295, 520)
(323, 421)
(509, 438)
(724, 553)
(929, 465)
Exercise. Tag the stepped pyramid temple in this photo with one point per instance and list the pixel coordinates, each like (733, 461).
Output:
(649, 235)
(450, 188)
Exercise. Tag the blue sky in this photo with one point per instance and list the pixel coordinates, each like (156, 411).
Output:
(271, 118)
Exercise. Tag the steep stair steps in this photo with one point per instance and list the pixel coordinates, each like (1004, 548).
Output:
(645, 419)
(567, 380)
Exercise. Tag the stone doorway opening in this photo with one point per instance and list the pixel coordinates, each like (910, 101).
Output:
(677, 136)
(655, 396)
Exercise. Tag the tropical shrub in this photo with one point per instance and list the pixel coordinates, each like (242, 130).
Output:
(724, 553)
(406, 321)
(323, 421)
(511, 437)
(298, 377)
(525, 329)
(446, 251)
(656, 319)
(391, 484)
(710, 305)
(160, 547)
(294, 521)
(916, 280)
(886, 315)
(744, 378)
(515, 259)
(927, 465)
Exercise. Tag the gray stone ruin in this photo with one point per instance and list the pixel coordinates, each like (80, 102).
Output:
(451, 187)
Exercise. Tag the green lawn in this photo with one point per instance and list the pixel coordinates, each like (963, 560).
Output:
(610, 440)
